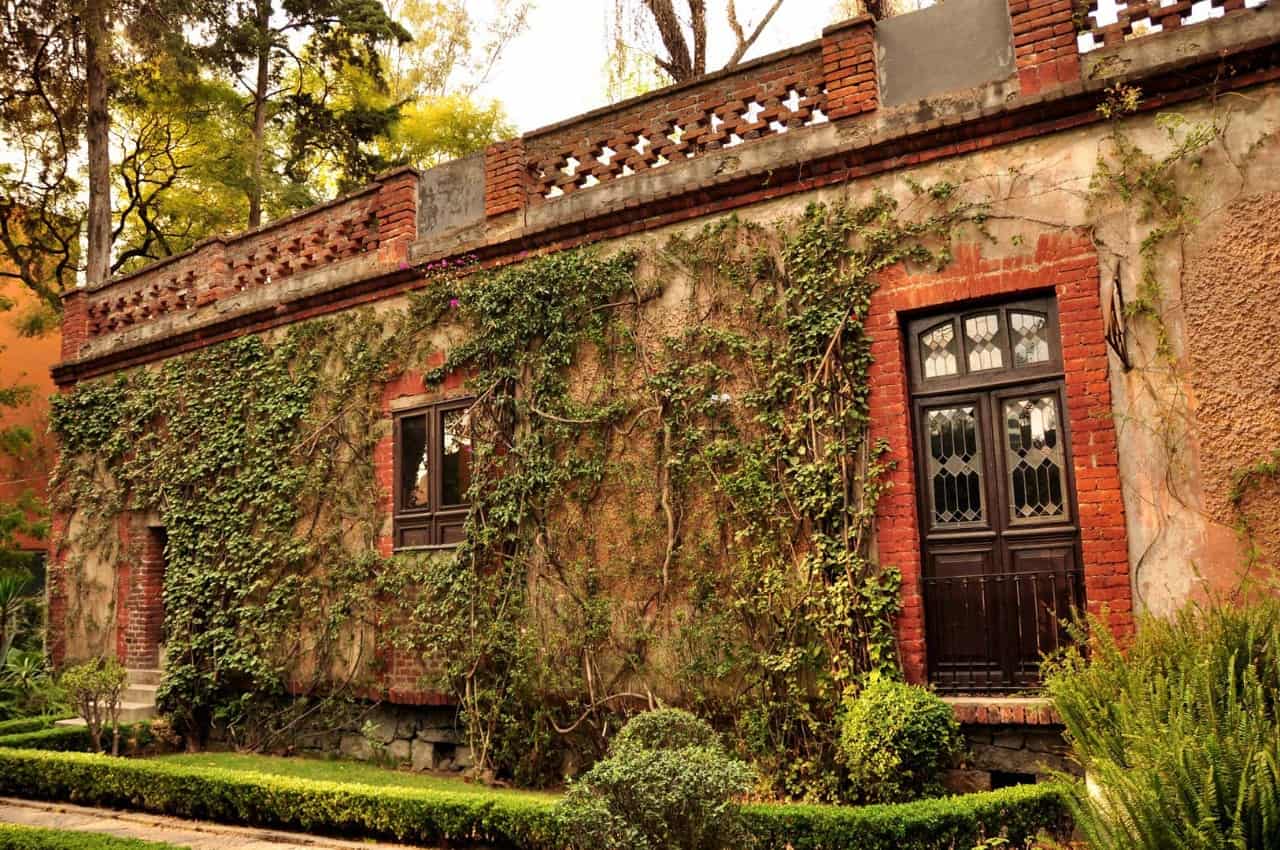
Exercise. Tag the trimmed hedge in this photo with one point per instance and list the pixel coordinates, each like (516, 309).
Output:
(1019, 813)
(19, 725)
(14, 837)
(72, 739)
(477, 819)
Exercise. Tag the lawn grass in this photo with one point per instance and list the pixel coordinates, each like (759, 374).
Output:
(346, 771)
(15, 837)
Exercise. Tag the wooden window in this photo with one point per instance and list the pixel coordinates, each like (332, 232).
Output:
(433, 457)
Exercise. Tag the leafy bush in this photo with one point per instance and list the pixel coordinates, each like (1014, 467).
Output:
(14, 837)
(666, 783)
(1179, 733)
(477, 819)
(94, 689)
(896, 739)
(27, 688)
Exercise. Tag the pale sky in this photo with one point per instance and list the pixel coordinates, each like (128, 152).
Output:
(555, 69)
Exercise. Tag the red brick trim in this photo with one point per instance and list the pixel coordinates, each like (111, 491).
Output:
(1044, 43)
(1068, 264)
(504, 179)
(75, 323)
(1003, 711)
(849, 67)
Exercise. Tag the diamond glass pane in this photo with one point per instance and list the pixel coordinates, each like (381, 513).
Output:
(1035, 458)
(982, 333)
(955, 465)
(1030, 338)
(938, 352)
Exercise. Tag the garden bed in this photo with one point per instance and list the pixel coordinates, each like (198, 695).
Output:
(345, 799)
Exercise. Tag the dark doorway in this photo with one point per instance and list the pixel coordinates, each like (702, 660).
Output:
(997, 504)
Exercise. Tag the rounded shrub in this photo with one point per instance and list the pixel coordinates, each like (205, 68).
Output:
(666, 784)
(896, 739)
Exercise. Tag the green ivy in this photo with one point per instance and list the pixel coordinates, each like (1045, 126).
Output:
(669, 505)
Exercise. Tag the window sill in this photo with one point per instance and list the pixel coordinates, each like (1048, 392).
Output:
(434, 547)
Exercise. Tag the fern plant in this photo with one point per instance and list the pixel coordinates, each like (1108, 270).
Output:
(1179, 732)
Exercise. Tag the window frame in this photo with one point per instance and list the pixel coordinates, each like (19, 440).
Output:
(437, 517)
(964, 379)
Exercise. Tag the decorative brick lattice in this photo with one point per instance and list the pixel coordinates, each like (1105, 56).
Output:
(1144, 17)
(679, 123)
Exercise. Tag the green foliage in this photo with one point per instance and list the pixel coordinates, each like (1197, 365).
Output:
(1246, 482)
(666, 783)
(16, 837)
(479, 818)
(73, 739)
(1179, 733)
(28, 688)
(664, 729)
(94, 689)
(896, 740)
(237, 448)
(1018, 814)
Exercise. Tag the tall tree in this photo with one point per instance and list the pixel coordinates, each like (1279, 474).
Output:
(272, 49)
(681, 27)
(97, 60)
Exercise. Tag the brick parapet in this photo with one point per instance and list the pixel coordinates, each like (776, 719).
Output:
(378, 220)
(504, 177)
(1044, 43)
(849, 67)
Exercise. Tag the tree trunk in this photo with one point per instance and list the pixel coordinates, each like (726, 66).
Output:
(97, 135)
(260, 111)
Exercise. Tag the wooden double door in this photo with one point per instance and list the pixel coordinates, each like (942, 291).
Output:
(997, 505)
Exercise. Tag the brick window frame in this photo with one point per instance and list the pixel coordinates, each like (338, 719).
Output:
(1066, 265)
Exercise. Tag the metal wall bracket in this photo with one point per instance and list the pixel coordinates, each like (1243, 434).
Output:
(1116, 323)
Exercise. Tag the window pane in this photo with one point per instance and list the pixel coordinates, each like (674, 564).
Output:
(955, 465)
(1030, 338)
(1035, 458)
(938, 351)
(455, 458)
(415, 472)
(982, 333)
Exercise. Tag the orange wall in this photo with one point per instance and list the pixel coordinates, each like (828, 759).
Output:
(26, 361)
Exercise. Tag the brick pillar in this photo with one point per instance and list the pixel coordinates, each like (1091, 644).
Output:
(209, 272)
(504, 189)
(1044, 43)
(396, 208)
(849, 67)
(75, 323)
(142, 614)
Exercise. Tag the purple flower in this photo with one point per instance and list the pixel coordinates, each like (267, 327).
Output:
(453, 302)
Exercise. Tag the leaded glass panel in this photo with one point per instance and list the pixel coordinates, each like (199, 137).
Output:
(1035, 458)
(938, 351)
(1030, 338)
(982, 334)
(955, 465)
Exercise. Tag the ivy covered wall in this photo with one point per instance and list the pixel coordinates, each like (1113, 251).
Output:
(675, 479)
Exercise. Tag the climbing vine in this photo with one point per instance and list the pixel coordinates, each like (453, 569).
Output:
(668, 505)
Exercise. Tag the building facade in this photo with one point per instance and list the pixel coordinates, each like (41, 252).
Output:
(1076, 402)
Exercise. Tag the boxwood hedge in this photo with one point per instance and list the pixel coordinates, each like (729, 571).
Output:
(73, 739)
(477, 819)
(14, 837)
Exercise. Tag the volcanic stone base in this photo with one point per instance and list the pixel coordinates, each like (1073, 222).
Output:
(1005, 755)
(423, 738)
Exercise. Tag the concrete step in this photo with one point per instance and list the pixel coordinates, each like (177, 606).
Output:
(141, 676)
(130, 712)
(140, 693)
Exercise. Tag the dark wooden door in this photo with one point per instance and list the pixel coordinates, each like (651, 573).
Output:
(997, 509)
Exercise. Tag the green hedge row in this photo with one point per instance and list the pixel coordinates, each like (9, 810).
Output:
(19, 725)
(1020, 812)
(13, 837)
(73, 739)
(475, 819)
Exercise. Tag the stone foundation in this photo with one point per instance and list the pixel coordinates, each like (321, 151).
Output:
(1010, 754)
(422, 738)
